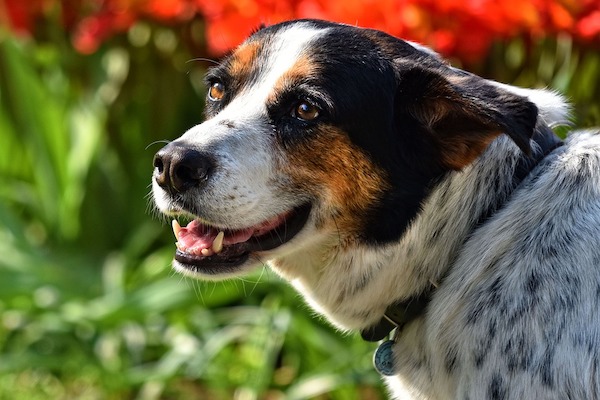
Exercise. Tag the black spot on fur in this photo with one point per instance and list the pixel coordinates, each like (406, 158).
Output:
(582, 341)
(549, 250)
(487, 297)
(532, 284)
(482, 348)
(437, 232)
(497, 389)
(451, 360)
(546, 369)
(518, 352)
(480, 358)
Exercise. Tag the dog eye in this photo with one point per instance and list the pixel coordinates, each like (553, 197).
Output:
(305, 111)
(216, 91)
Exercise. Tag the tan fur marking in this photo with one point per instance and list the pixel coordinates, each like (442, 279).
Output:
(243, 59)
(457, 148)
(342, 178)
(302, 69)
(459, 151)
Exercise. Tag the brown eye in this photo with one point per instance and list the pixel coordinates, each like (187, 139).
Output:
(306, 111)
(216, 91)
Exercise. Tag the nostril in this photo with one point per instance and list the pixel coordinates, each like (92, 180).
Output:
(160, 173)
(191, 173)
(191, 169)
(158, 163)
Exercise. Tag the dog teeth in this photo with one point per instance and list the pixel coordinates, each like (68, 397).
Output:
(217, 245)
(176, 228)
(215, 248)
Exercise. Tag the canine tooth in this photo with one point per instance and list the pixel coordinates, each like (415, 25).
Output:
(217, 245)
(207, 252)
(176, 228)
(178, 246)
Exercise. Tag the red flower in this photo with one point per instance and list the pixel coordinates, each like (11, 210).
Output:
(93, 30)
(461, 28)
(170, 10)
(589, 26)
(21, 16)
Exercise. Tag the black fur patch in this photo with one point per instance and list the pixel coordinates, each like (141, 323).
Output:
(497, 389)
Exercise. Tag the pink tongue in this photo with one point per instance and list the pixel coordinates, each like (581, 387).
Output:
(198, 236)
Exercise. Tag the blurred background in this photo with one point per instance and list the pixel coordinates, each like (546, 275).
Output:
(89, 308)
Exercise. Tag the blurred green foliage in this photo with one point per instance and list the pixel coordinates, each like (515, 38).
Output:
(88, 306)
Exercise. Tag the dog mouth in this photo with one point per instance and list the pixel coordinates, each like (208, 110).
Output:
(207, 249)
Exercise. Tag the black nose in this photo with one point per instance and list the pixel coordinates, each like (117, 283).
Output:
(178, 168)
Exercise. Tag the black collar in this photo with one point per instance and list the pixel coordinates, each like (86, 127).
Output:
(401, 313)
(396, 316)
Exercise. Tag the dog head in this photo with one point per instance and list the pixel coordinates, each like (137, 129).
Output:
(319, 134)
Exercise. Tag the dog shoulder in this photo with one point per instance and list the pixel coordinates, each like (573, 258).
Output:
(520, 300)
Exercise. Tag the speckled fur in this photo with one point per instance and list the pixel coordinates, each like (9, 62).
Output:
(517, 315)
(516, 311)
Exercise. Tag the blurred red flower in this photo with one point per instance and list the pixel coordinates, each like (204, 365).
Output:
(589, 26)
(92, 30)
(460, 28)
(21, 16)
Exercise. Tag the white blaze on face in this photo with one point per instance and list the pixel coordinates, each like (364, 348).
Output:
(281, 56)
(243, 188)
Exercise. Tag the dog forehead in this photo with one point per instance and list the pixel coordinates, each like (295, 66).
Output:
(272, 55)
(256, 67)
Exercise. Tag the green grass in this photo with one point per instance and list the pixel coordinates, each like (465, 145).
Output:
(89, 308)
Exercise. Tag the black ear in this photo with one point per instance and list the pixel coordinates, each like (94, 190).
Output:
(462, 113)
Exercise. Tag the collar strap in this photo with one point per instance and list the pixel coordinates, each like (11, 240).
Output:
(396, 316)
(401, 313)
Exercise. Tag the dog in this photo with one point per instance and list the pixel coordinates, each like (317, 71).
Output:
(403, 198)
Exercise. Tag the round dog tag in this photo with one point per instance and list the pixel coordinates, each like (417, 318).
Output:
(383, 359)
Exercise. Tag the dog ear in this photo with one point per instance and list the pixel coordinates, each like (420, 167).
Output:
(460, 112)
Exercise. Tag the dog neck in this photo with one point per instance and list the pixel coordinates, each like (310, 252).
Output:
(377, 288)
(401, 313)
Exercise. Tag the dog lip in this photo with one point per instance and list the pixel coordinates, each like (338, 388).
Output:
(235, 255)
(226, 261)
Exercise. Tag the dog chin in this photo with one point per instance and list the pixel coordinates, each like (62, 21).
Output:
(208, 252)
(215, 272)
